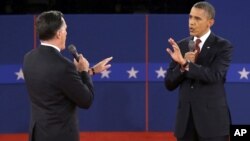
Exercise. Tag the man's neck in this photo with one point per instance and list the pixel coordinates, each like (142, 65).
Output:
(50, 44)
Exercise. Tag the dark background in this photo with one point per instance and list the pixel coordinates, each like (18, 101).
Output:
(96, 6)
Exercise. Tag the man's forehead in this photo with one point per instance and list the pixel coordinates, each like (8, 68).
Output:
(198, 12)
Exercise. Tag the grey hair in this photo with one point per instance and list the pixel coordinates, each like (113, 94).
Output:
(207, 7)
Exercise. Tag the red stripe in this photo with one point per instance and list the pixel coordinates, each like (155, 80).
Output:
(34, 32)
(146, 82)
(105, 136)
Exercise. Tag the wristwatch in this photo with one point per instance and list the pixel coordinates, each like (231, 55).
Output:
(187, 62)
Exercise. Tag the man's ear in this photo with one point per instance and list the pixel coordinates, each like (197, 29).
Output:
(211, 22)
(58, 34)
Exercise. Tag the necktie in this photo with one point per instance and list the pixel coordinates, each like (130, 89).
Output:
(197, 42)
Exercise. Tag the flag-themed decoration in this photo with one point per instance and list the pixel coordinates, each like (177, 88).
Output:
(11, 74)
(130, 97)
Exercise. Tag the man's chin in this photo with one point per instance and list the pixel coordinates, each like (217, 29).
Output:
(191, 34)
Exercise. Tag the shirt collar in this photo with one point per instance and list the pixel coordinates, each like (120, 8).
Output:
(203, 38)
(47, 44)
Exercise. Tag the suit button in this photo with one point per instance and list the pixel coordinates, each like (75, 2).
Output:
(192, 87)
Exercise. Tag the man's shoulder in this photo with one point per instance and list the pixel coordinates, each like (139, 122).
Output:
(219, 43)
(217, 38)
(186, 39)
(221, 40)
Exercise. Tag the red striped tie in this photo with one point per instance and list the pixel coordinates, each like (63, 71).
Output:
(197, 42)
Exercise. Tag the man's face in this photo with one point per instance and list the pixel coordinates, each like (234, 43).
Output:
(199, 22)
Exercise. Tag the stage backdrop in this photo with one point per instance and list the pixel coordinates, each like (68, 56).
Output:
(130, 99)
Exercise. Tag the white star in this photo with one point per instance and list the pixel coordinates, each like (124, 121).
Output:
(244, 73)
(161, 72)
(132, 73)
(105, 73)
(19, 74)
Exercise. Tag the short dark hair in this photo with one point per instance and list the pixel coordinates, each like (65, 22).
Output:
(48, 23)
(207, 7)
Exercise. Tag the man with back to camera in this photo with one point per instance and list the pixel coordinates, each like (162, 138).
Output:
(56, 86)
(202, 113)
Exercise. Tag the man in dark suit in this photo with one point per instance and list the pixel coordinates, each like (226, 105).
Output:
(56, 86)
(203, 113)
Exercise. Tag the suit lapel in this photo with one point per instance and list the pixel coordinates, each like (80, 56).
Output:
(206, 48)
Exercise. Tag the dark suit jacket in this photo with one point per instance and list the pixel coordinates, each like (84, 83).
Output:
(201, 89)
(55, 89)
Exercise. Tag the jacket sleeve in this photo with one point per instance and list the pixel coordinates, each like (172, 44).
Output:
(173, 76)
(78, 87)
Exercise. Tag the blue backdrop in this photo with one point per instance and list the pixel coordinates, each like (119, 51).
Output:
(123, 101)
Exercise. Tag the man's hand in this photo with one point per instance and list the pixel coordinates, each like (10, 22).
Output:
(191, 56)
(101, 66)
(176, 53)
(82, 64)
